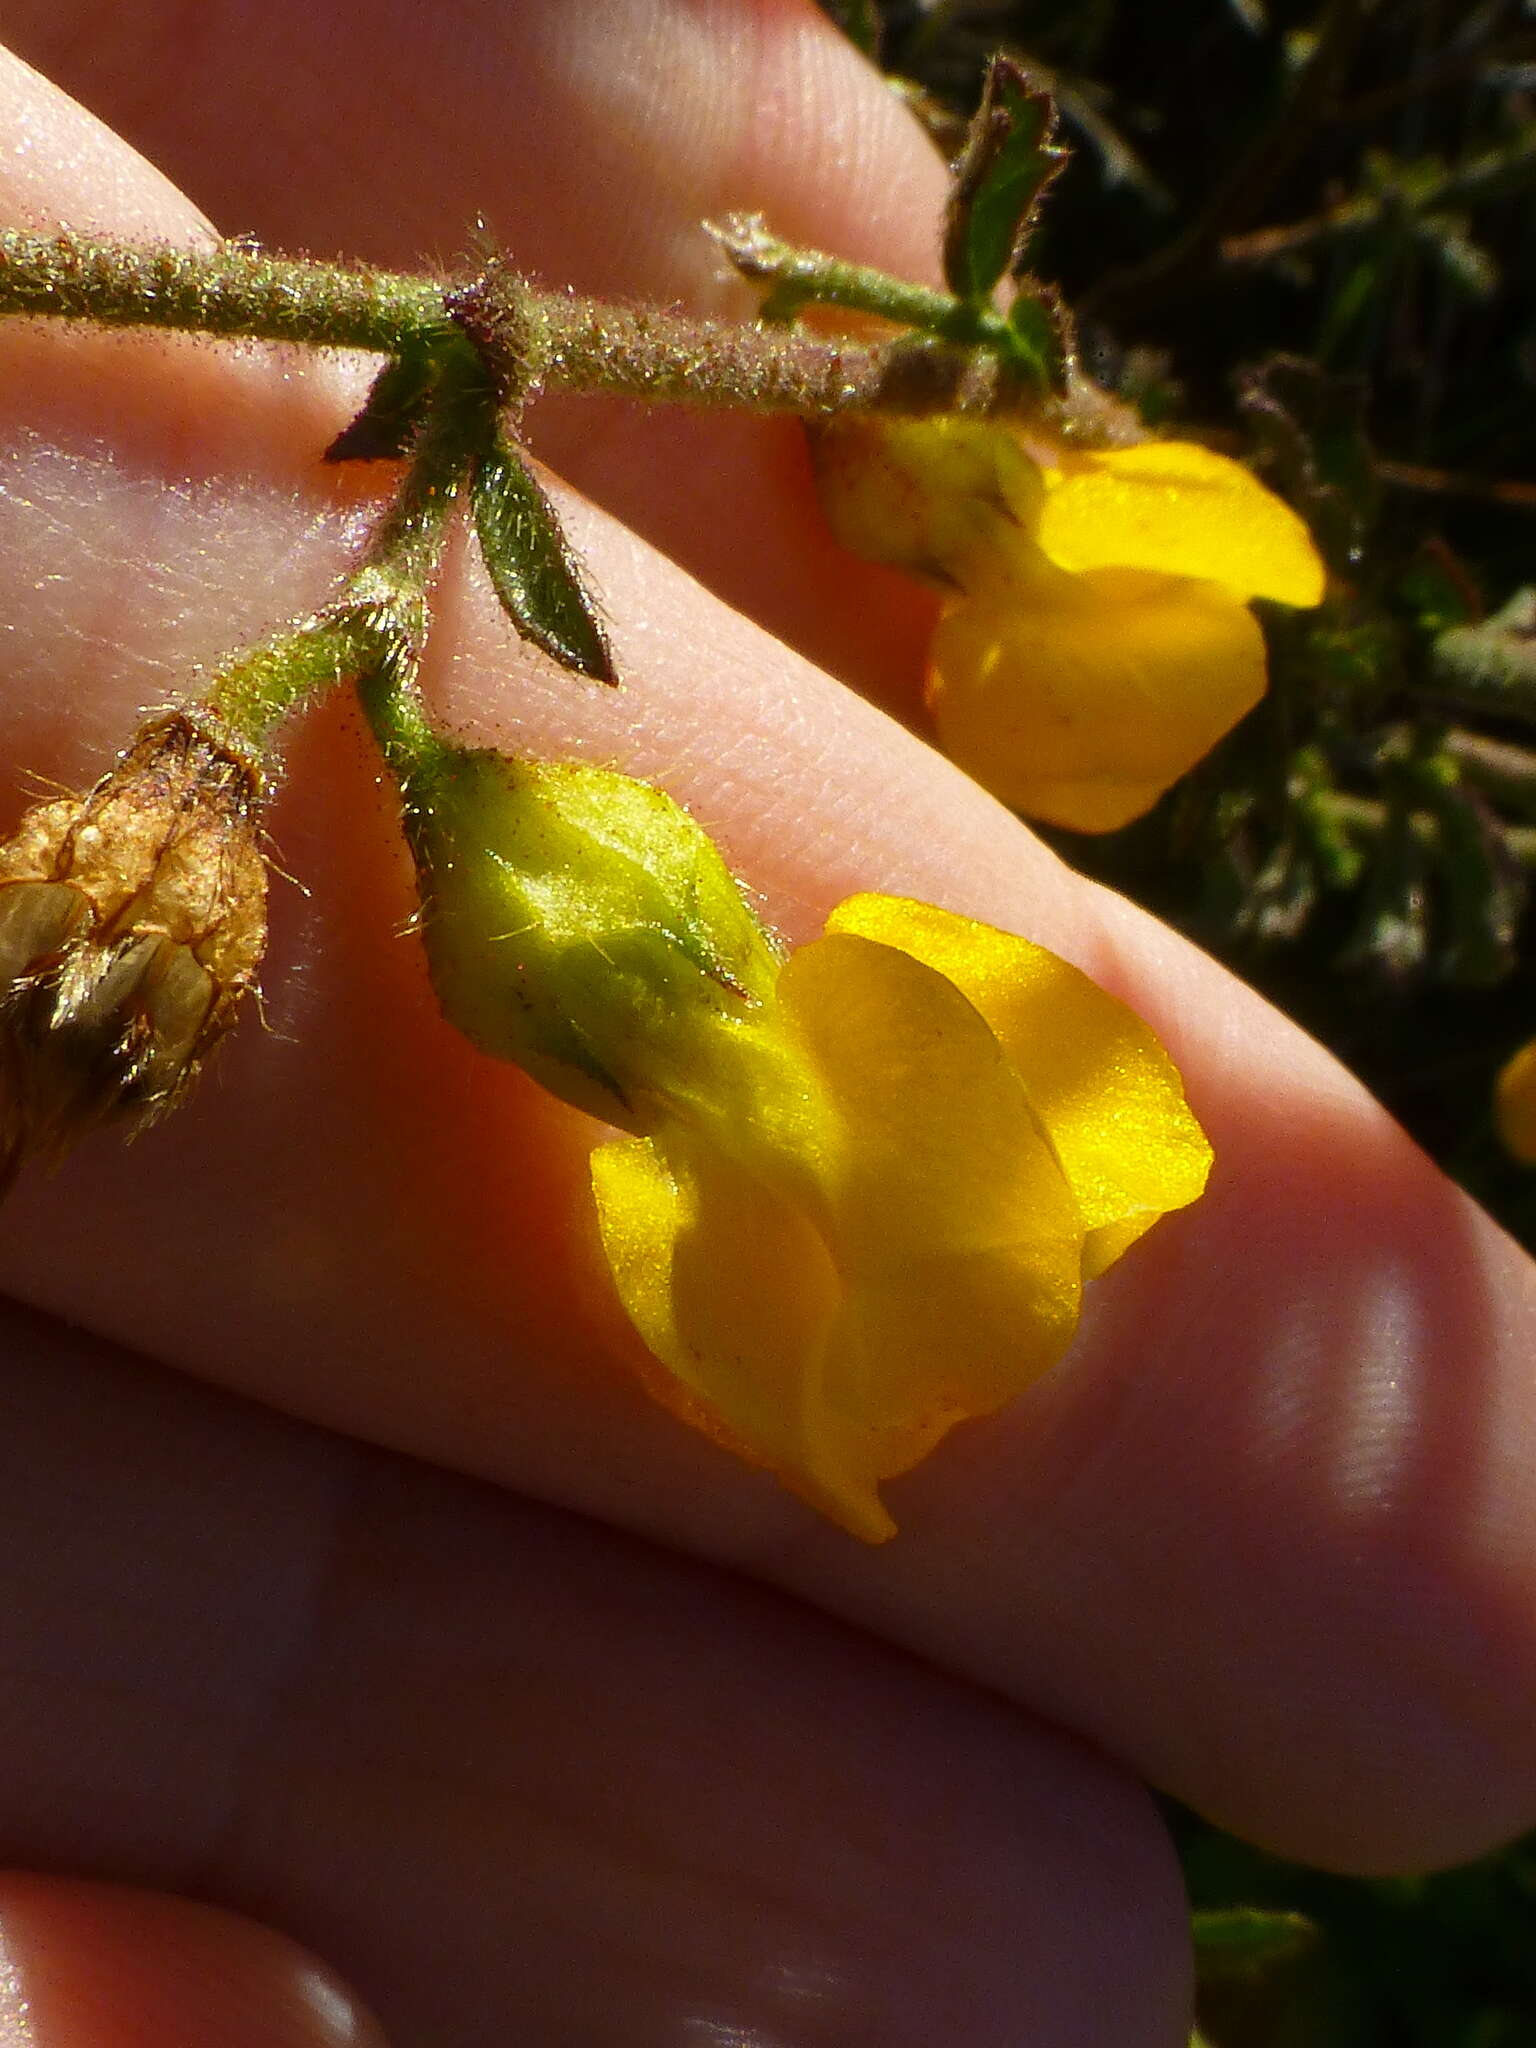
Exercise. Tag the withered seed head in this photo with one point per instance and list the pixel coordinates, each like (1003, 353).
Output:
(132, 921)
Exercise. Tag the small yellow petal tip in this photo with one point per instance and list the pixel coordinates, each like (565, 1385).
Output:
(1514, 1104)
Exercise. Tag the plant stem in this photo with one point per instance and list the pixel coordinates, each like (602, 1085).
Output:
(251, 695)
(669, 358)
(225, 290)
(530, 340)
(375, 630)
(1501, 769)
(388, 595)
(803, 277)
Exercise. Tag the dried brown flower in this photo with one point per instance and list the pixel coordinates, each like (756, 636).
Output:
(132, 921)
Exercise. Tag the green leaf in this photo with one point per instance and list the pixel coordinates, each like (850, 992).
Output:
(396, 404)
(1244, 1941)
(532, 567)
(1037, 326)
(1009, 158)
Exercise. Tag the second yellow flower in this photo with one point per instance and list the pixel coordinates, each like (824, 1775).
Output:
(1096, 640)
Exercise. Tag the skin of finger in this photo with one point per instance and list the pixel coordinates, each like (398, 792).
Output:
(674, 109)
(105, 1966)
(1268, 1533)
(514, 1776)
(388, 1198)
(594, 139)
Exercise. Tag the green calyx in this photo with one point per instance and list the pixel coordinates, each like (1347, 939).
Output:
(579, 924)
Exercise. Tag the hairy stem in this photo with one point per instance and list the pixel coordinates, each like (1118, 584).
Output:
(227, 290)
(670, 358)
(804, 277)
(375, 629)
(529, 340)
(252, 694)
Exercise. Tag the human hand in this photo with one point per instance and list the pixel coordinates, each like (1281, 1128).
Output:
(524, 1737)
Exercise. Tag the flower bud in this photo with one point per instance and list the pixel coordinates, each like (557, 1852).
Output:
(581, 925)
(132, 921)
(919, 495)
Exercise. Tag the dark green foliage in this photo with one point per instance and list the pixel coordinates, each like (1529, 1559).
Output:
(1242, 1944)
(1305, 231)
(395, 408)
(860, 22)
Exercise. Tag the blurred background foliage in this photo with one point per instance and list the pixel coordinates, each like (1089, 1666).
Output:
(1307, 234)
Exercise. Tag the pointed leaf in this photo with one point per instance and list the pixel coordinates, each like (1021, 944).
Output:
(532, 567)
(1009, 159)
(393, 410)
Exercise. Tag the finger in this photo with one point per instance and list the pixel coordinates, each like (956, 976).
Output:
(100, 1966)
(362, 1222)
(60, 168)
(356, 1197)
(594, 139)
(547, 119)
(519, 1779)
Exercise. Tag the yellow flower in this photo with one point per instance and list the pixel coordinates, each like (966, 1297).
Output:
(919, 1152)
(862, 1188)
(1097, 640)
(1514, 1104)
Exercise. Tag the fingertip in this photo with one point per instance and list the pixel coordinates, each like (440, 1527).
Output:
(60, 167)
(85, 1965)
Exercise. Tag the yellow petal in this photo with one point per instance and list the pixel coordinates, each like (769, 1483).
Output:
(731, 1287)
(1179, 509)
(951, 1222)
(930, 1273)
(928, 1105)
(1097, 1077)
(943, 1156)
(1080, 699)
(1515, 1104)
